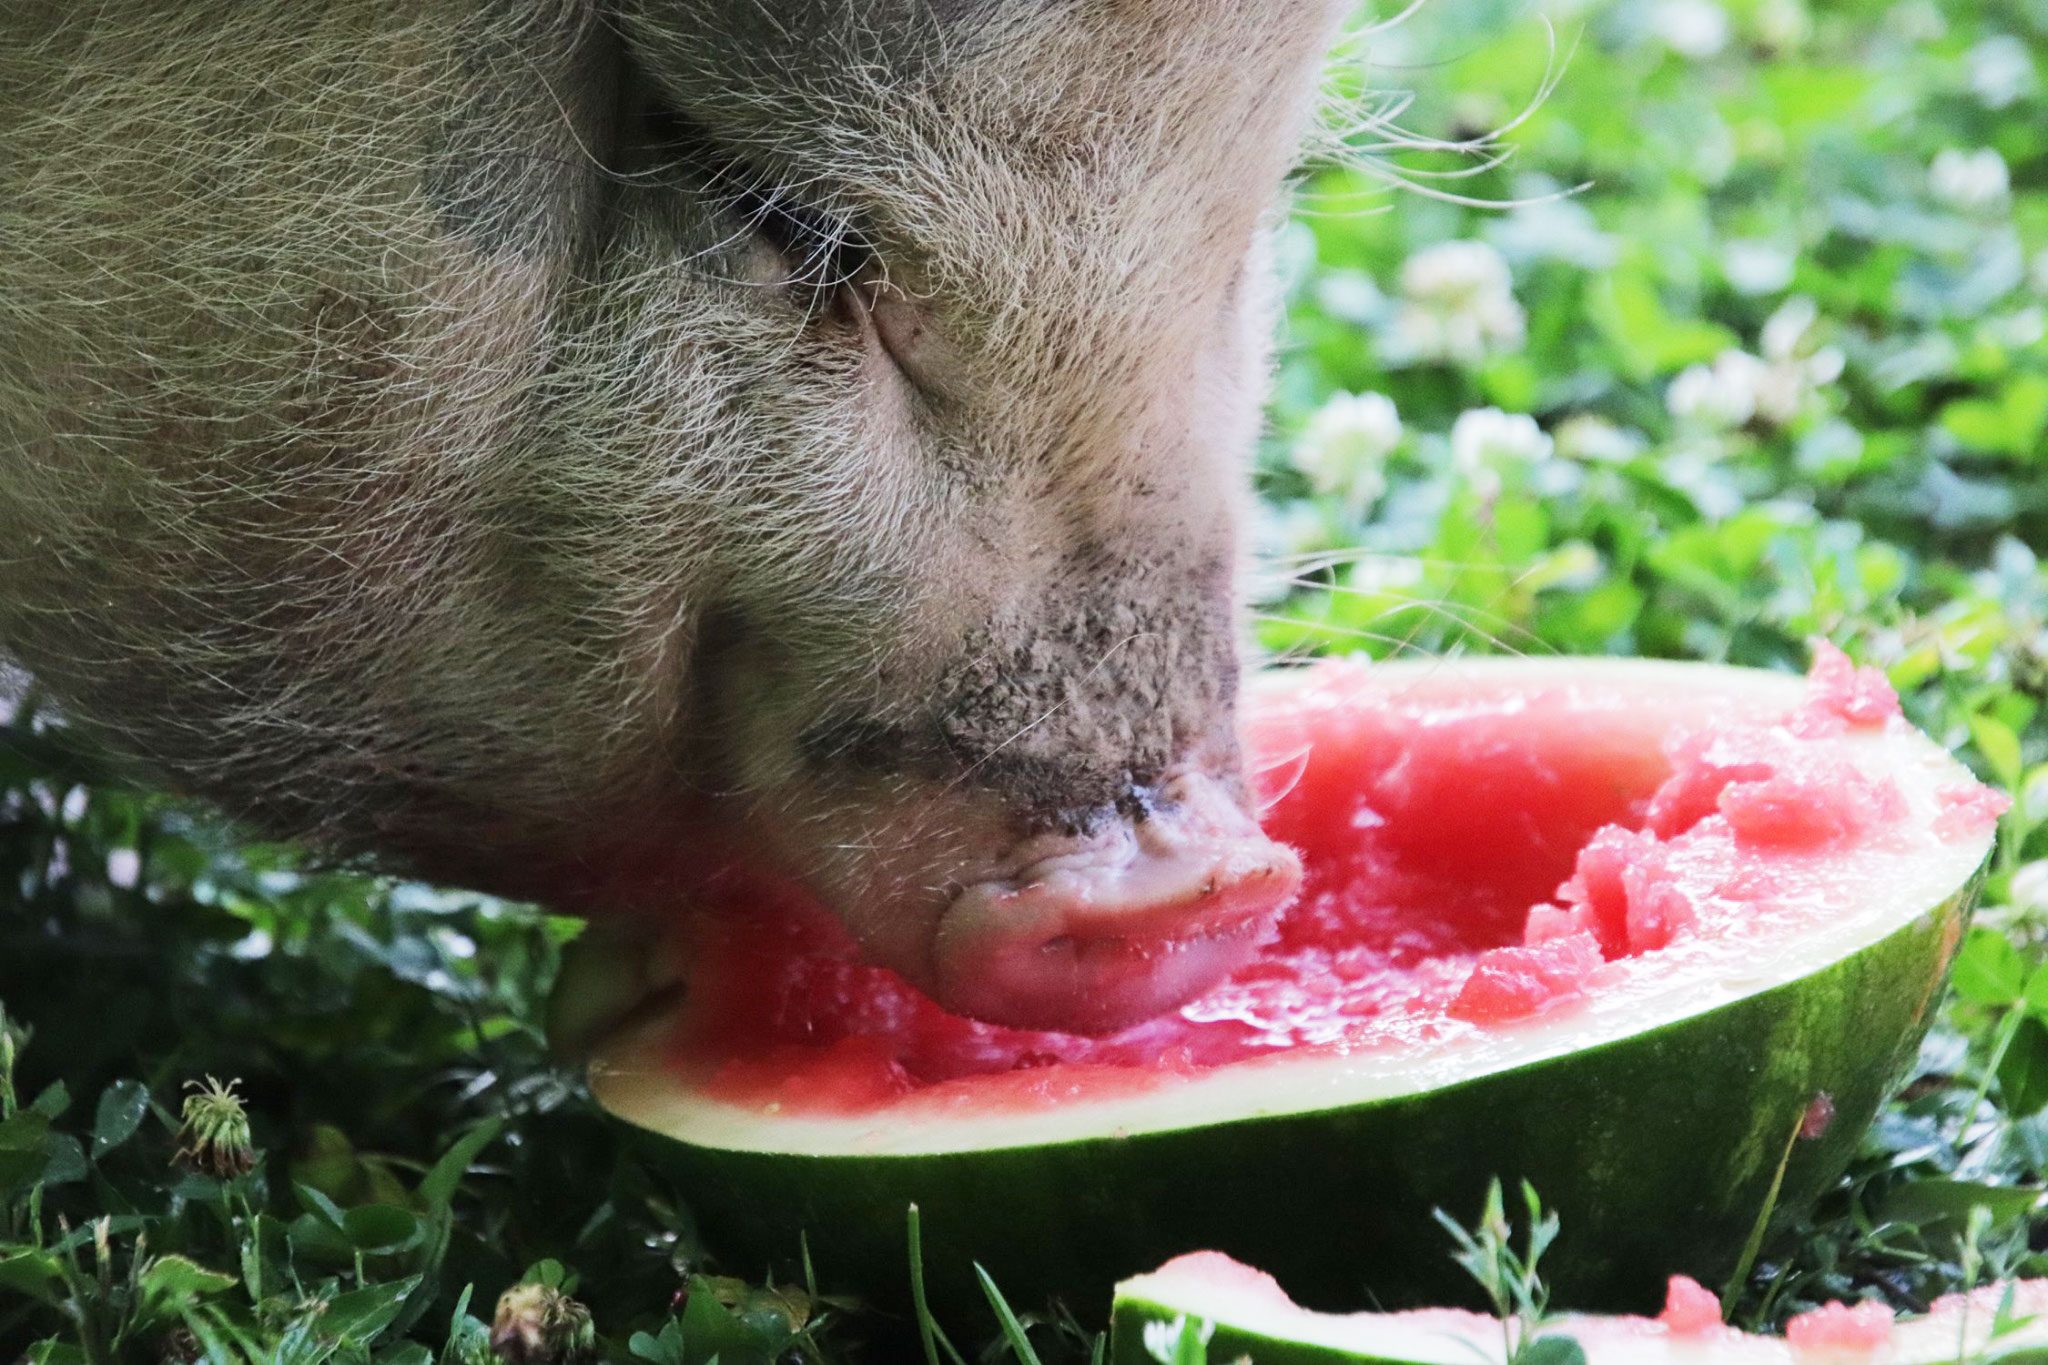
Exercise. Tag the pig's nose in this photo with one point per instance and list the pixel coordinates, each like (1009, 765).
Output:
(1091, 934)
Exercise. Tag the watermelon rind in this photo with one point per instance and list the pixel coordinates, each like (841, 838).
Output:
(1654, 1123)
(1241, 1315)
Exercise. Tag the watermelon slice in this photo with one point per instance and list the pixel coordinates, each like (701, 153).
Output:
(1245, 1315)
(1618, 928)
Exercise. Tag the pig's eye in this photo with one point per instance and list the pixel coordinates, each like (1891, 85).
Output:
(825, 258)
(822, 254)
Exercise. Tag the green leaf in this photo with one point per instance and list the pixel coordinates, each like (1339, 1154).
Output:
(1803, 94)
(710, 1329)
(2036, 994)
(310, 1235)
(2000, 747)
(1989, 970)
(52, 1103)
(23, 1140)
(31, 1273)
(1013, 1330)
(359, 1315)
(120, 1112)
(1648, 339)
(381, 1227)
(2012, 423)
(2023, 1071)
(1934, 1204)
(550, 1272)
(930, 1334)
(63, 1160)
(666, 1349)
(320, 1206)
(1551, 1351)
(468, 1338)
(177, 1280)
(438, 1186)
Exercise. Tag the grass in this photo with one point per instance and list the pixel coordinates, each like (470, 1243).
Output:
(1785, 367)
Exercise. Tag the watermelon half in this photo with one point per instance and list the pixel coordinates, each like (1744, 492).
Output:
(1618, 928)
(1243, 1314)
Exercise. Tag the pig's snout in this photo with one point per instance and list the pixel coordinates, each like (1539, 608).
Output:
(1090, 933)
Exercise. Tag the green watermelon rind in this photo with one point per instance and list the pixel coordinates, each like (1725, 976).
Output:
(1656, 1148)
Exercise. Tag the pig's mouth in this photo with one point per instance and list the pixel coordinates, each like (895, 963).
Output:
(1090, 935)
(1075, 933)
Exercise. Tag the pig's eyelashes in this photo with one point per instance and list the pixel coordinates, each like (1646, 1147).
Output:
(824, 255)
(823, 251)
(825, 263)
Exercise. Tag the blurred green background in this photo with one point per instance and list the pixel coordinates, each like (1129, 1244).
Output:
(1739, 342)
(1772, 288)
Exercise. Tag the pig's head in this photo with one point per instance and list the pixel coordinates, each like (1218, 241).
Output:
(977, 686)
(830, 459)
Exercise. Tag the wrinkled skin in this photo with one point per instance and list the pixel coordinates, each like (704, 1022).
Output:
(573, 449)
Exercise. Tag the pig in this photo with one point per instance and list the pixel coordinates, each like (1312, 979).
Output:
(574, 448)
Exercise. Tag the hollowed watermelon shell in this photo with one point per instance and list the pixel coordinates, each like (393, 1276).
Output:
(1246, 1315)
(1652, 1115)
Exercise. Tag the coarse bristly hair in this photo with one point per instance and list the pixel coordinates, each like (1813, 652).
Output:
(490, 433)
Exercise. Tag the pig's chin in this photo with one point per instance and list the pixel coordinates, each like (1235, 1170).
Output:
(1089, 934)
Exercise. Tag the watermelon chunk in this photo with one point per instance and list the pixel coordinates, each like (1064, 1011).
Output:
(1689, 1309)
(1514, 983)
(1842, 1329)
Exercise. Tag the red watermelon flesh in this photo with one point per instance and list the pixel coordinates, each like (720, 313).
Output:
(1477, 854)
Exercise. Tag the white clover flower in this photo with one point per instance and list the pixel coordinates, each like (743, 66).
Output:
(1350, 296)
(1384, 573)
(1454, 272)
(2000, 70)
(1755, 266)
(1969, 180)
(1786, 328)
(124, 868)
(1343, 450)
(2019, 329)
(1691, 28)
(1483, 439)
(1593, 439)
(1549, 226)
(1917, 21)
(1457, 304)
(1781, 392)
(1793, 369)
(1783, 26)
(2028, 889)
(1720, 396)
(2033, 793)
